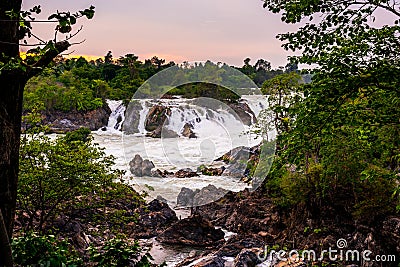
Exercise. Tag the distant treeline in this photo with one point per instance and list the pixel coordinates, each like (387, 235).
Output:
(79, 84)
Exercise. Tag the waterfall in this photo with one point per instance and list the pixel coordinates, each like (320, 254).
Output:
(204, 116)
(117, 115)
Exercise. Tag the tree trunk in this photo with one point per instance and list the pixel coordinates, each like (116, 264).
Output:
(11, 87)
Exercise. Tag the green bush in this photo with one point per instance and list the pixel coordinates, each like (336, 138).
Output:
(35, 250)
(116, 252)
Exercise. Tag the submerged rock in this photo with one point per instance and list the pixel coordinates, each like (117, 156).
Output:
(193, 231)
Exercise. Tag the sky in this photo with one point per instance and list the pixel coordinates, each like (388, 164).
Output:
(177, 30)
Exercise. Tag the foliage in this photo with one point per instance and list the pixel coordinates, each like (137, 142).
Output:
(77, 84)
(283, 91)
(32, 249)
(341, 150)
(116, 252)
(55, 172)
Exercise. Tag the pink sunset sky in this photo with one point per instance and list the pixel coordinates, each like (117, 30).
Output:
(178, 30)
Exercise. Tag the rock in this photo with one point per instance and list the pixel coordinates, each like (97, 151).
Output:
(156, 117)
(193, 231)
(247, 258)
(244, 212)
(244, 112)
(119, 120)
(155, 219)
(162, 132)
(210, 261)
(187, 131)
(161, 199)
(62, 122)
(132, 117)
(147, 165)
(238, 159)
(140, 167)
(186, 173)
(391, 230)
(234, 246)
(210, 171)
(167, 133)
(189, 198)
(136, 165)
(157, 173)
(185, 197)
(208, 194)
(155, 120)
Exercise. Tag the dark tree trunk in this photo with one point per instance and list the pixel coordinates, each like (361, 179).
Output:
(11, 87)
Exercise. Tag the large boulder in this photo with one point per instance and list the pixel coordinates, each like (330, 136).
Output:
(140, 167)
(132, 117)
(155, 120)
(185, 197)
(192, 231)
(189, 198)
(208, 194)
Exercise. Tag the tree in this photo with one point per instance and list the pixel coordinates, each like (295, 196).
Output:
(15, 25)
(54, 173)
(350, 110)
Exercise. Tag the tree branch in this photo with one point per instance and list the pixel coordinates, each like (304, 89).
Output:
(46, 59)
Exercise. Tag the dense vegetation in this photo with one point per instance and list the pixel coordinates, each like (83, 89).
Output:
(80, 85)
(339, 145)
(71, 180)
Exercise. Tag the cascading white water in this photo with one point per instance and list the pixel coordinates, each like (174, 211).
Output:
(217, 129)
(142, 117)
(117, 115)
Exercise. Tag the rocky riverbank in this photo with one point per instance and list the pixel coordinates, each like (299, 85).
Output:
(62, 122)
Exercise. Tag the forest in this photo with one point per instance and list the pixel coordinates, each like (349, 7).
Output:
(335, 173)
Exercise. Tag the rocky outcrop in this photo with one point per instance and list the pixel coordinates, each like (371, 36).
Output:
(185, 173)
(188, 131)
(244, 112)
(132, 117)
(156, 218)
(239, 160)
(189, 198)
(62, 122)
(185, 197)
(192, 231)
(140, 167)
(155, 120)
(244, 213)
